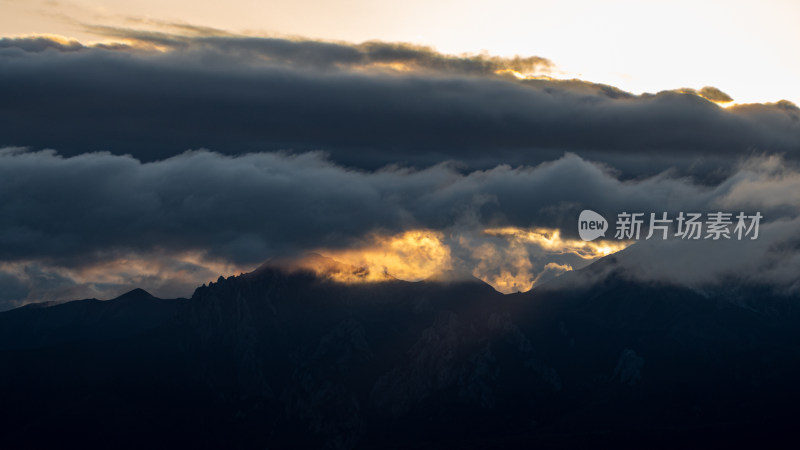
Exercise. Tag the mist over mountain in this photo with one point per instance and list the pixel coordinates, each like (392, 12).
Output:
(279, 357)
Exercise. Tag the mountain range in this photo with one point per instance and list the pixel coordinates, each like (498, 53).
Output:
(280, 358)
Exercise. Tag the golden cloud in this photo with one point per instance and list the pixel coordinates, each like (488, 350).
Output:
(411, 256)
(419, 254)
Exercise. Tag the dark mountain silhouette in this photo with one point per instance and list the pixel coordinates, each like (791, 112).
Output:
(281, 358)
(50, 324)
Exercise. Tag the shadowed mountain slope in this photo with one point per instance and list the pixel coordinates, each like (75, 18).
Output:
(278, 358)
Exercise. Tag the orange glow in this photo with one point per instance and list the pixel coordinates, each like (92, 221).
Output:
(162, 274)
(419, 254)
(132, 43)
(389, 66)
(186, 267)
(521, 76)
(63, 40)
(412, 256)
(337, 271)
(507, 270)
(511, 269)
(550, 239)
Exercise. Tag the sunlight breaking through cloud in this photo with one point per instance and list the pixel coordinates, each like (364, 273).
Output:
(517, 261)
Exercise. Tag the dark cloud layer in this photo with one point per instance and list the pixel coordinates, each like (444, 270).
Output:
(233, 94)
(406, 138)
(97, 214)
(250, 207)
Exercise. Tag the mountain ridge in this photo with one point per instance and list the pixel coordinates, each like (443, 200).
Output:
(276, 358)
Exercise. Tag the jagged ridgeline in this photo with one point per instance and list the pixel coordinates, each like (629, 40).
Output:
(283, 358)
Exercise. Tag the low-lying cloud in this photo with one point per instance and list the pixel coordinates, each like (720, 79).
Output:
(64, 219)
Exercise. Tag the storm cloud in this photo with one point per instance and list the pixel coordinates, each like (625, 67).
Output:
(367, 105)
(92, 210)
(186, 155)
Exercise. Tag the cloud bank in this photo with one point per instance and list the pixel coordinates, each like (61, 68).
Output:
(155, 95)
(201, 212)
(387, 155)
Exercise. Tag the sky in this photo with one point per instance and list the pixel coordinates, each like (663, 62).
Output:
(162, 145)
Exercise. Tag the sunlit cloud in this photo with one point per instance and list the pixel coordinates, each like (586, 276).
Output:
(411, 256)
(165, 275)
(516, 263)
(527, 256)
(550, 240)
(384, 57)
(523, 75)
(522, 258)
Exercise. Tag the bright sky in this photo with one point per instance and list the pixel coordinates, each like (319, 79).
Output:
(747, 49)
